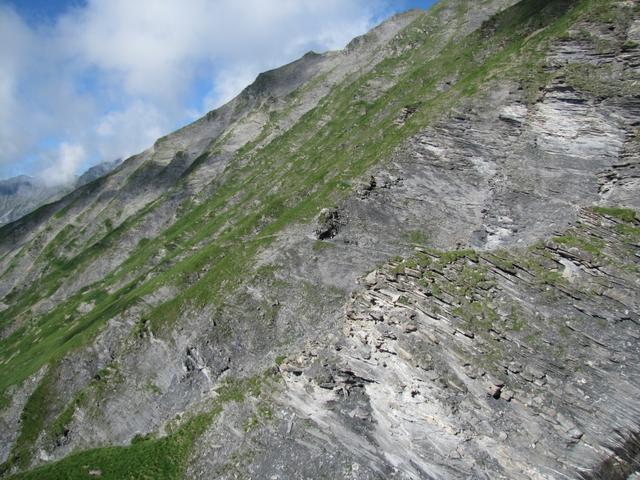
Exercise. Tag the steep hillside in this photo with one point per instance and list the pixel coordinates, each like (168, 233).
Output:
(413, 258)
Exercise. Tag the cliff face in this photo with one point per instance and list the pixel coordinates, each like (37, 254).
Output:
(414, 258)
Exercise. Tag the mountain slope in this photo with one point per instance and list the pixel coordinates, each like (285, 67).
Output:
(189, 314)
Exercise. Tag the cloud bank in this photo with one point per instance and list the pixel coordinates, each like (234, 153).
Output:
(105, 79)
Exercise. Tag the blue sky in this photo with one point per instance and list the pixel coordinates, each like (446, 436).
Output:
(83, 81)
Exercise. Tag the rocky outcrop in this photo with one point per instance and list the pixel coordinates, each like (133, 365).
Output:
(328, 223)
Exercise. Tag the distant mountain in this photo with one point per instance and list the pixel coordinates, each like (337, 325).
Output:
(23, 194)
(96, 172)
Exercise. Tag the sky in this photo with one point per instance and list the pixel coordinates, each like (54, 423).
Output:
(85, 81)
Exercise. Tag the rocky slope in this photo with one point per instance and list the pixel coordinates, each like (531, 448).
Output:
(197, 312)
(509, 364)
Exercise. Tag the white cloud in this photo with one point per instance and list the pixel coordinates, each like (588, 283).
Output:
(156, 47)
(124, 133)
(15, 46)
(113, 75)
(64, 164)
(228, 83)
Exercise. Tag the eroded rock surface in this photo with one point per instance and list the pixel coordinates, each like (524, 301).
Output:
(508, 364)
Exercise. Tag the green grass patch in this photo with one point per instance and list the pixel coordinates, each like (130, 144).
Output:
(592, 245)
(148, 457)
(32, 422)
(417, 237)
(623, 214)
(632, 233)
(144, 459)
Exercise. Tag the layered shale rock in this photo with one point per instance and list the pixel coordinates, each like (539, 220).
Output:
(500, 364)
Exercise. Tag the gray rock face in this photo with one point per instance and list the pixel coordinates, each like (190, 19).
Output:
(415, 258)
